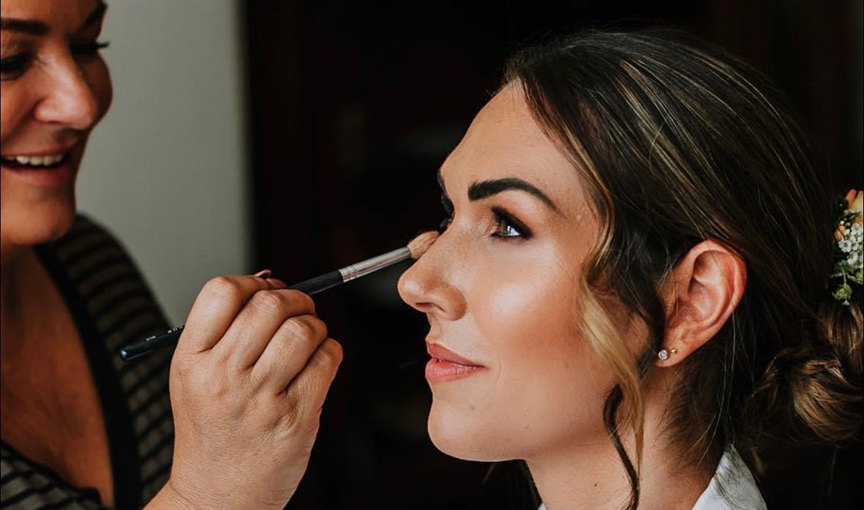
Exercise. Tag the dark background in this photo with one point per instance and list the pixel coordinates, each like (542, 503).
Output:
(354, 106)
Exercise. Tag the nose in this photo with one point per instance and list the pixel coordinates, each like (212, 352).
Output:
(428, 287)
(69, 99)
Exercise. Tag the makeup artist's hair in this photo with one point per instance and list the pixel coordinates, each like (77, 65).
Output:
(678, 142)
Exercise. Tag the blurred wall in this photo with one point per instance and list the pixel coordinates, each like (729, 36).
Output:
(166, 168)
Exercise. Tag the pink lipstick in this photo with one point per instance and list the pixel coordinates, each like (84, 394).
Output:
(446, 365)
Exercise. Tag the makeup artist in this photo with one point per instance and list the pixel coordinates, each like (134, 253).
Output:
(81, 429)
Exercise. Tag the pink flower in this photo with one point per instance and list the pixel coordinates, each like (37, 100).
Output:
(854, 200)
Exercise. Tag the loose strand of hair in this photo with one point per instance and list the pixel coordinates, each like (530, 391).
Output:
(610, 419)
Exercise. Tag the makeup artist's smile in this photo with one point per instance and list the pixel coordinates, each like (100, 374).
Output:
(446, 365)
(56, 156)
(49, 167)
(47, 160)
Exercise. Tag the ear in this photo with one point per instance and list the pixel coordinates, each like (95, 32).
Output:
(700, 296)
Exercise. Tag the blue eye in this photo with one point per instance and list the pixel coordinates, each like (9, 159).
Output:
(508, 227)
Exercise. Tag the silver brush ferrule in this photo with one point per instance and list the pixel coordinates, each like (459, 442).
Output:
(375, 263)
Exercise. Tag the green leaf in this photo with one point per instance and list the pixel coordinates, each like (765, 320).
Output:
(843, 293)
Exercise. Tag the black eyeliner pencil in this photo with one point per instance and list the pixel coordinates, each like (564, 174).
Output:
(415, 249)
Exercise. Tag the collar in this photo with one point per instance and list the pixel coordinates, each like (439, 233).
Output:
(731, 488)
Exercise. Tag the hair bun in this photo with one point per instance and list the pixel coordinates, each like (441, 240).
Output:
(825, 400)
(821, 385)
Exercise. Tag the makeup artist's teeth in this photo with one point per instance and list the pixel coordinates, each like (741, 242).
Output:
(35, 161)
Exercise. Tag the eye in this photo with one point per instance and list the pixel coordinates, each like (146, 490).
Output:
(14, 66)
(506, 230)
(448, 210)
(508, 227)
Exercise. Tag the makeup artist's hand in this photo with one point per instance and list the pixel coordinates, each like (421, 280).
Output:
(248, 380)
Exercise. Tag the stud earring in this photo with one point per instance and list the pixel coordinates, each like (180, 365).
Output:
(664, 354)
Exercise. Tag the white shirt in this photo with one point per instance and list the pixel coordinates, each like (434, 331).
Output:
(731, 488)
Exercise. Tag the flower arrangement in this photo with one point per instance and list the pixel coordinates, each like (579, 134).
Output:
(849, 247)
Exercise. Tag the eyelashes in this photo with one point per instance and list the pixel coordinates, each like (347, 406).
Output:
(14, 66)
(447, 205)
(89, 48)
(507, 226)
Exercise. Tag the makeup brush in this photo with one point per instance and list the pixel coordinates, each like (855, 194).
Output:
(415, 249)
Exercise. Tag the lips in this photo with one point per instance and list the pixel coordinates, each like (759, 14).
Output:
(47, 161)
(446, 365)
(33, 172)
(50, 167)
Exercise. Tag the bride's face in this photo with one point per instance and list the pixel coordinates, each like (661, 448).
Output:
(510, 372)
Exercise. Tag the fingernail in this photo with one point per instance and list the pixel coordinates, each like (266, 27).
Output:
(278, 283)
(263, 274)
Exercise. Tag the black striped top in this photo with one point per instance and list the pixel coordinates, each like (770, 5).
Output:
(111, 306)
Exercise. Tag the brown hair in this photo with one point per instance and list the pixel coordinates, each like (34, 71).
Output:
(678, 142)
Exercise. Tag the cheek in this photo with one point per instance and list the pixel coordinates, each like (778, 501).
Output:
(549, 380)
(526, 315)
(545, 385)
(14, 105)
(523, 322)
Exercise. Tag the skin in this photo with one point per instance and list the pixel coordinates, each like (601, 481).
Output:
(251, 371)
(54, 104)
(505, 300)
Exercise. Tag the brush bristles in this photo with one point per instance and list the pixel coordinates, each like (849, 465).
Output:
(421, 243)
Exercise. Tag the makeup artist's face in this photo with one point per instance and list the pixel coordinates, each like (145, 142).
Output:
(55, 88)
(500, 290)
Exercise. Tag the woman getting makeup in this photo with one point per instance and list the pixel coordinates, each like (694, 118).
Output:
(81, 429)
(641, 279)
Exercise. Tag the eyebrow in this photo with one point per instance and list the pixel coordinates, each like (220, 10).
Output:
(36, 27)
(485, 189)
(24, 25)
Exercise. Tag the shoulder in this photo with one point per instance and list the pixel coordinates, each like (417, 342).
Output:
(97, 272)
(112, 306)
(86, 245)
(90, 255)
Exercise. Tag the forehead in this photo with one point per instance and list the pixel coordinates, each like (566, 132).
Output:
(60, 15)
(505, 140)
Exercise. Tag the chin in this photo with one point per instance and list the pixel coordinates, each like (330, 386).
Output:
(32, 224)
(469, 435)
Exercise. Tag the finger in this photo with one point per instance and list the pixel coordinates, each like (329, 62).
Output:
(263, 316)
(215, 308)
(288, 351)
(309, 389)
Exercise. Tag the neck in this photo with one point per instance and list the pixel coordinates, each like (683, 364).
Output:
(15, 265)
(583, 475)
(10, 261)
